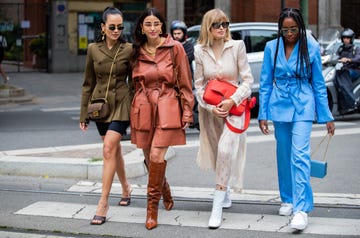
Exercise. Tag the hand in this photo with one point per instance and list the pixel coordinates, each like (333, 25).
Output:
(226, 104)
(345, 60)
(330, 125)
(84, 126)
(186, 125)
(219, 112)
(263, 125)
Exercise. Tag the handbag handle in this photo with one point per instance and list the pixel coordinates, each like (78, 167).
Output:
(327, 146)
(111, 69)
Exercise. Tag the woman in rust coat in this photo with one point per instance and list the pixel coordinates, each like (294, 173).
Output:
(157, 118)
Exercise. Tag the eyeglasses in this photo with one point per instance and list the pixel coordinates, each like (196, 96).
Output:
(216, 25)
(293, 30)
(119, 27)
(155, 24)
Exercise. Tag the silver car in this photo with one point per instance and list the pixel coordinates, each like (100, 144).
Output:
(255, 35)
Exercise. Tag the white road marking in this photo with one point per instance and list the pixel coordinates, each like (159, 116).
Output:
(262, 196)
(238, 221)
(60, 109)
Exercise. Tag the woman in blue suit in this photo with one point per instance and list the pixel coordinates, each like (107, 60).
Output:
(292, 95)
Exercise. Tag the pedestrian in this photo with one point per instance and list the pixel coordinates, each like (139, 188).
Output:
(349, 57)
(161, 72)
(292, 95)
(178, 31)
(109, 49)
(3, 46)
(217, 56)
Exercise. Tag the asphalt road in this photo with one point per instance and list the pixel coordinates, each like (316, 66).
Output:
(51, 119)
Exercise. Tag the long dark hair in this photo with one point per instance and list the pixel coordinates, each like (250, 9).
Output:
(303, 53)
(109, 11)
(139, 37)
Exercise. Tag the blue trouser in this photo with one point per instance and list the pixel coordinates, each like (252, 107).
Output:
(293, 163)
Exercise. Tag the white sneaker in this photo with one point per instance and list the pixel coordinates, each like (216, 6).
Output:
(285, 209)
(299, 221)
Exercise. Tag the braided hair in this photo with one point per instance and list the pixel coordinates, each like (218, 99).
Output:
(303, 57)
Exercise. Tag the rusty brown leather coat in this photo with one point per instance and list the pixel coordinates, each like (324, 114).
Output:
(97, 69)
(157, 75)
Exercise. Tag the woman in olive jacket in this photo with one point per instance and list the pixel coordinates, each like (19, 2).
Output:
(108, 50)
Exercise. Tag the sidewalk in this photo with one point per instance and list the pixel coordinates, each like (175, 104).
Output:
(81, 161)
(13, 94)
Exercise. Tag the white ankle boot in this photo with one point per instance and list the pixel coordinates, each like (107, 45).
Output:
(216, 212)
(227, 200)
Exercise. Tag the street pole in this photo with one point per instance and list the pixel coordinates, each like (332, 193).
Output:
(304, 6)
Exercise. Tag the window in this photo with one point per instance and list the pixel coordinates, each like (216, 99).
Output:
(88, 30)
(255, 40)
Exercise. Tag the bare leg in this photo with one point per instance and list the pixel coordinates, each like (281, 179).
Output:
(3, 74)
(121, 173)
(110, 150)
(146, 153)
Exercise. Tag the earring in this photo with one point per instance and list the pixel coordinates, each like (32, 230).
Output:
(160, 32)
(102, 35)
(142, 31)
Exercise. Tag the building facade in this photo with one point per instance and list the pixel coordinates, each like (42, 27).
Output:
(70, 25)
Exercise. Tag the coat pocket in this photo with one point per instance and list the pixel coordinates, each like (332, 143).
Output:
(140, 113)
(140, 117)
(169, 113)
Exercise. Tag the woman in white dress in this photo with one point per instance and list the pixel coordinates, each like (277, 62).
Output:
(217, 56)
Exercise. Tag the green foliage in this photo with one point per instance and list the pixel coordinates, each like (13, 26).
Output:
(38, 46)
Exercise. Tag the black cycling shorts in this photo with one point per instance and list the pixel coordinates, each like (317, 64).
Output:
(118, 126)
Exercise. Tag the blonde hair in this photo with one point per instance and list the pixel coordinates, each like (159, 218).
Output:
(214, 15)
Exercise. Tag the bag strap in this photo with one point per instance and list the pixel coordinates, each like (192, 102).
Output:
(329, 136)
(175, 73)
(111, 69)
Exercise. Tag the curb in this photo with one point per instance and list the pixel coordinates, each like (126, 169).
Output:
(14, 94)
(17, 163)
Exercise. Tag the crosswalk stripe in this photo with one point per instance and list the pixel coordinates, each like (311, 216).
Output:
(238, 221)
(261, 196)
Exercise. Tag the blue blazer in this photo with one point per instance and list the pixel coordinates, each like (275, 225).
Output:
(290, 98)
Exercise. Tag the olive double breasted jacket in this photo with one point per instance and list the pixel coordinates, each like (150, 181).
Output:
(97, 70)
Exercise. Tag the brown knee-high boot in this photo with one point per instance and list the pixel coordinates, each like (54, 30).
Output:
(166, 192)
(155, 183)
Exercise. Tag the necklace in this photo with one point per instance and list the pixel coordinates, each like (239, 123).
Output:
(152, 52)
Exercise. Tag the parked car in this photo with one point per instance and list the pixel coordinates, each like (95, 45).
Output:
(255, 35)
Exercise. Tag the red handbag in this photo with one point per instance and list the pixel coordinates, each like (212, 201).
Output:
(217, 90)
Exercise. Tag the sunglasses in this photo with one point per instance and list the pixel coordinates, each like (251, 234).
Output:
(119, 27)
(217, 25)
(293, 30)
